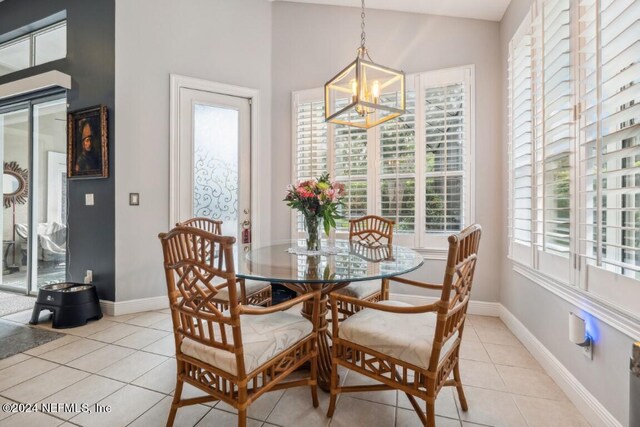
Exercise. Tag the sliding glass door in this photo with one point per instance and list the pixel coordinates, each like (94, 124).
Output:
(14, 139)
(34, 221)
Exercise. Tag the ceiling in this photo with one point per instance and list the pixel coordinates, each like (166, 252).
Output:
(491, 10)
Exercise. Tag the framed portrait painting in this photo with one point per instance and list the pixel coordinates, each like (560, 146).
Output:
(87, 148)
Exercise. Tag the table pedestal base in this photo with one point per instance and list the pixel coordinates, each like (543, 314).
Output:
(324, 348)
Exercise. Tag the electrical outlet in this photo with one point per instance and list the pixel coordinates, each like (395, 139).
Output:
(587, 350)
(88, 199)
(88, 278)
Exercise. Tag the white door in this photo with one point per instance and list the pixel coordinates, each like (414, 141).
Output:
(214, 161)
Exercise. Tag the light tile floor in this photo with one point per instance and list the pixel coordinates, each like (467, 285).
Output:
(127, 362)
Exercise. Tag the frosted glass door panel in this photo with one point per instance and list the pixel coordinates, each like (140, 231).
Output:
(214, 161)
(215, 165)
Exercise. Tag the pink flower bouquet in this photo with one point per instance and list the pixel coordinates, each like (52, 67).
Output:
(316, 199)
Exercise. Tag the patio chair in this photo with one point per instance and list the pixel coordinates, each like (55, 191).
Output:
(250, 292)
(235, 355)
(413, 349)
(371, 235)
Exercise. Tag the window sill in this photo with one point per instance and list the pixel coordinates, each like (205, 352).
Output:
(616, 317)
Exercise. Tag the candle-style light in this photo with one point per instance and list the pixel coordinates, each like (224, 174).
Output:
(364, 94)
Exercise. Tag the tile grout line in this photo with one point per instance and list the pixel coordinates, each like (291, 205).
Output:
(160, 401)
(396, 411)
(511, 394)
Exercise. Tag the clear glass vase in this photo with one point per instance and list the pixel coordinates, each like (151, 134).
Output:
(312, 224)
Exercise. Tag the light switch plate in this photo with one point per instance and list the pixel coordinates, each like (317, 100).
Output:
(134, 199)
(88, 199)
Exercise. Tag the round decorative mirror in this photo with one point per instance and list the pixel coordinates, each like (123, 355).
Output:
(15, 184)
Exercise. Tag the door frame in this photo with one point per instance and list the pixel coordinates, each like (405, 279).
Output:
(178, 82)
(28, 101)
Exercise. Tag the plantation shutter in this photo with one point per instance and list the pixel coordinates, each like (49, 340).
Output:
(311, 144)
(553, 123)
(610, 135)
(398, 168)
(445, 127)
(520, 129)
(350, 169)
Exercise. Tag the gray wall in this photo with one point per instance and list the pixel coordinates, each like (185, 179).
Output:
(311, 43)
(90, 63)
(543, 313)
(221, 41)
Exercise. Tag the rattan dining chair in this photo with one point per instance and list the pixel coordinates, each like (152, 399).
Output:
(250, 292)
(413, 349)
(375, 234)
(235, 355)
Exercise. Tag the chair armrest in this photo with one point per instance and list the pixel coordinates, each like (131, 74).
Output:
(424, 285)
(383, 307)
(244, 309)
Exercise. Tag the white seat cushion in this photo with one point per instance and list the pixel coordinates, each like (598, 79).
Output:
(360, 290)
(407, 337)
(250, 287)
(263, 338)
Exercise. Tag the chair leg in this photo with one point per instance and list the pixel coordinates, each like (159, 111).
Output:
(334, 391)
(242, 417)
(461, 397)
(314, 380)
(242, 410)
(431, 415)
(174, 404)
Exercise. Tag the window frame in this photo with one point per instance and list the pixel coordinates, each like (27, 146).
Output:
(31, 37)
(599, 287)
(431, 245)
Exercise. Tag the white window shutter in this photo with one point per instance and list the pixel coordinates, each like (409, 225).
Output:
(610, 135)
(521, 146)
(445, 128)
(553, 126)
(350, 165)
(310, 144)
(397, 196)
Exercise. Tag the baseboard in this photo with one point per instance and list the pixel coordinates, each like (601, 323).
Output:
(480, 308)
(119, 308)
(587, 404)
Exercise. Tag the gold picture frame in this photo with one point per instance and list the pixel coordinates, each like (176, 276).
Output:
(87, 143)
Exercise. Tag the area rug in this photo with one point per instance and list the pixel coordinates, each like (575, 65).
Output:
(16, 338)
(12, 303)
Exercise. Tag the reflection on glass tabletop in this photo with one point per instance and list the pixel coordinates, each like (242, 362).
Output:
(352, 262)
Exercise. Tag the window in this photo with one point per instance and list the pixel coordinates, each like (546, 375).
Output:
(35, 48)
(311, 137)
(398, 168)
(415, 169)
(579, 199)
(521, 144)
(444, 173)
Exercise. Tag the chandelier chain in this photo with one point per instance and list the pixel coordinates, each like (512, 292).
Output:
(362, 35)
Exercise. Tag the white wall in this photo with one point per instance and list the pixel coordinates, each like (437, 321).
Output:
(311, 43)
(223, 41)
(544, 313)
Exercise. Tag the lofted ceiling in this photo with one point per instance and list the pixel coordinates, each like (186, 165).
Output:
(491, 10)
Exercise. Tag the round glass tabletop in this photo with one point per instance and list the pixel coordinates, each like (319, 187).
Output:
(340, 261)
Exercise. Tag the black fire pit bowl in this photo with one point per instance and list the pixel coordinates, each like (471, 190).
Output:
(72, 304)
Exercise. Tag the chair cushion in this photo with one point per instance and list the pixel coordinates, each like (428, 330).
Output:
(360, 290)
(250, 286)
(263, 338)
(407, 337)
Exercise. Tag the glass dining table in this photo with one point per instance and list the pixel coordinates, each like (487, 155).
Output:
(338, 264)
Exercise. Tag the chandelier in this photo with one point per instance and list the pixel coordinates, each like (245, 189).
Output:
(364, 94)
